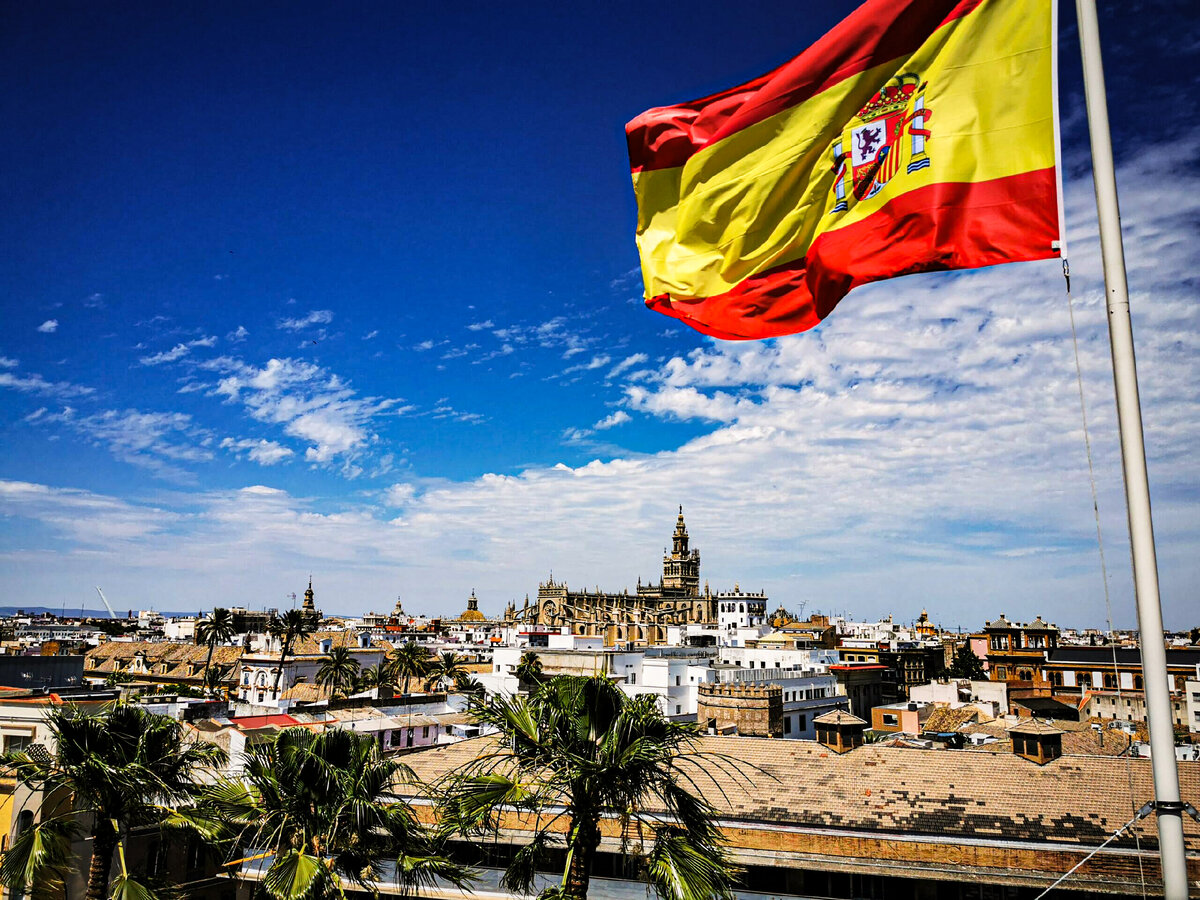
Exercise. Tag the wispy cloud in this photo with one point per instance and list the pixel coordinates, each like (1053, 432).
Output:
(49, 326)
(178, 351)
(238, 335)
(160, 442)
(309, 402)
(36, 384)
(371, 335)
(627, 363)
(8, 363)
(316, 317)
(481, 326)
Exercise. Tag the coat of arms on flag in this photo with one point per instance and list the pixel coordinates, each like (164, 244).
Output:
(889, 129)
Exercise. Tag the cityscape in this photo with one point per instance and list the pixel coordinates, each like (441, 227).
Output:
(876, 732)
(558, 451)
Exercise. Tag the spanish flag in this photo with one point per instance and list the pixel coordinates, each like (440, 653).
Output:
(916, 136)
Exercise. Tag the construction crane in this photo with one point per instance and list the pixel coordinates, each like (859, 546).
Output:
(111, 613)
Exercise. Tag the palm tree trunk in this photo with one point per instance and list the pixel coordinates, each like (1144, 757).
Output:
(104, 841)
(283, 652)
(579, 869)
(207, 665)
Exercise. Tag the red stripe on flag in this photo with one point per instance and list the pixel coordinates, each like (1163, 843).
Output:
(957, 225)
(876, 32)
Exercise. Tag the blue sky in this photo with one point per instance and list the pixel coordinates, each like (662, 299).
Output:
(289, 288)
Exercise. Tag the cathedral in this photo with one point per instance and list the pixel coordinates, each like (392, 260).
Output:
(641, 617)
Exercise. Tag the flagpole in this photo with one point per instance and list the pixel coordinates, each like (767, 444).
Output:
(1133, 457)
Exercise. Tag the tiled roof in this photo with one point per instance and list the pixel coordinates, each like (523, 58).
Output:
(1073, 799)
(305, 692)
(1033, 726)
(838, 717)
(946, 720)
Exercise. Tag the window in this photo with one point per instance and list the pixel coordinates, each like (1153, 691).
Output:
(1056, 679)
(1001, 671)
(1110, 680)
(787, 724)
(1137, 683)
(890, 719)
(425, 731)
(678, 709)
(633, 677)
(801, 722)
(677, 681)
(17, 743)
(1083, 679)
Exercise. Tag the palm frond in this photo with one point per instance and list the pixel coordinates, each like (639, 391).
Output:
(39, 854)
(293, 874)
(682, 869)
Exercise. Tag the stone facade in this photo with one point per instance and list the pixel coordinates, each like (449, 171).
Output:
(641, 617)
(637, 618)
(755, 709)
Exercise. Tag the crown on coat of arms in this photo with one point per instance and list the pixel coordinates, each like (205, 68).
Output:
(891, 98)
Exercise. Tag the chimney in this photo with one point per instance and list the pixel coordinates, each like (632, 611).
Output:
(1036, 741)
(325, 645)
(839, 730)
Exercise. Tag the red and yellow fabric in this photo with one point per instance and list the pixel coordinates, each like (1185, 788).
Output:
(917, 135)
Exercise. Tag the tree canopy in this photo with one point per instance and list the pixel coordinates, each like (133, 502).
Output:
(579, 749)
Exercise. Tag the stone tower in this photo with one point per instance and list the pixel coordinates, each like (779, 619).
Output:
(681, 568)
(310, 606)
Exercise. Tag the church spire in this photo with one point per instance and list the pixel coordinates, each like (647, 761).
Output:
(310, 605)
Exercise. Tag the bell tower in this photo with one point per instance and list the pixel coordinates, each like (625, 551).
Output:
(681, 568)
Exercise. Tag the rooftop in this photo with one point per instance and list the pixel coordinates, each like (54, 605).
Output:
(988, 796)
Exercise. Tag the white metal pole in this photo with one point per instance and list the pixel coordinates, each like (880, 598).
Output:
(1133, 456)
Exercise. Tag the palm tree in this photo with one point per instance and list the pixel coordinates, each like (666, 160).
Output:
(529, 670)
(214, 629)
(582, 748)
(446, 669)
(214, 679)
(294, 625)
(378, 676)
(324, 809)
(410, 660)
(338, 671)
(126, 767)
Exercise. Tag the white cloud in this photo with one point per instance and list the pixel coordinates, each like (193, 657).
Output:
(399, 494)
(94, 301)
(36, 384)
(263, 452)
(159, 442)
(49, 326)
(237, 336)
(370, 335)
(620, 417)
(7, 363)
(316, 317)
(481, 326)
(627, 363)
(309, 403)
(178, 351)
